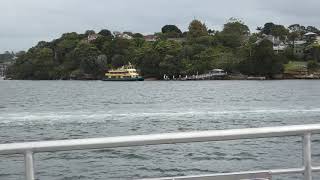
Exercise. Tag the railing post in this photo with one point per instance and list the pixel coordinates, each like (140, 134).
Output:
(29, 165)
(307, 156)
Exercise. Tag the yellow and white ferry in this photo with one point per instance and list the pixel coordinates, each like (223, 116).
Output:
(125, 73)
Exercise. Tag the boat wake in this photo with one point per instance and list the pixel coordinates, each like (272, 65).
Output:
(87, 117)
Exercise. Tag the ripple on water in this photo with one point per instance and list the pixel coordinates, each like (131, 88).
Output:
(50, 110)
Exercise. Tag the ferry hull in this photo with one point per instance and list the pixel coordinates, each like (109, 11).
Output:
(124, 79)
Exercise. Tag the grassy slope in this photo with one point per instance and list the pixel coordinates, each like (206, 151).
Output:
(295, 66)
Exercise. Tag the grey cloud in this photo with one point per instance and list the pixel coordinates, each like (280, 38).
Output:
(23, 23)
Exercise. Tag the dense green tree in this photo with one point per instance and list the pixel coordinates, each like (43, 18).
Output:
(66, 44)
(102, 64)
(170, 28)
(275, 30)
(118, 60)
(197, 29)
(263, 61)
(314, 51)
(107, 49)
(138, 42)
(171, 31)
(168, 61)
(279, 31)
(206, 41)
(86, 55)
(168, 47)
(312, 65)
(137, 35)
(121, 46)
(101, 40)
(295, 27)
(202, 62)
(89, 32)
(298, 30)
(313, 29)
(267, 29)
(234, 34)
(21, 70)
(106, 33)
(225, 59)
(148, 61)
(293, 37)
(170, 65)
(36, 64)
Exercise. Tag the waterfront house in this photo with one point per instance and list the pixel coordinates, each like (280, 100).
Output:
(116, 33)
(4, 67)
(299, 48)
(280, 48)
(273, 39)
(318, 39)
(278, 45)
(92, 37)
(125, 36)
(150, 38)
(122, 35)
(310, 37)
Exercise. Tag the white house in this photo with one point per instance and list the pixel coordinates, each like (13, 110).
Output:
(92, 37)
(122, 35)
(279, 48)
(125, 36)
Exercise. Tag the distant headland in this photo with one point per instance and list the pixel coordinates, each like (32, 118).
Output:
(272, 52)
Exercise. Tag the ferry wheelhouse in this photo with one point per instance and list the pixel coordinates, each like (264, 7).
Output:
(125, 73)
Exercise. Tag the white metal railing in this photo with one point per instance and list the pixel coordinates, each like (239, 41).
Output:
(29, 148)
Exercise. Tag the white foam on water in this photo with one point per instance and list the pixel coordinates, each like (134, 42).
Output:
(49, 117)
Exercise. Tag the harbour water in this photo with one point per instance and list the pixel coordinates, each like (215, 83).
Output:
(54, 110)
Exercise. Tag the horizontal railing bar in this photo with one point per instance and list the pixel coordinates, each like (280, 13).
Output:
(202, 177)
(316, 169)
(286, 171)
(157, 139)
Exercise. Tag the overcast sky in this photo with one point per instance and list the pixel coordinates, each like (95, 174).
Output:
(25, 22)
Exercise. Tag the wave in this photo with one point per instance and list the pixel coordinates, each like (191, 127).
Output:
(94, 116)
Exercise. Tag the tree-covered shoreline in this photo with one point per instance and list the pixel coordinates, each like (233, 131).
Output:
(170, 52)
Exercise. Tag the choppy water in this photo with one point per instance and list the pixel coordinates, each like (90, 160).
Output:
(49, 110)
